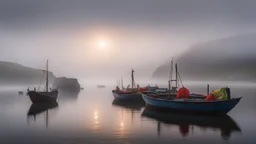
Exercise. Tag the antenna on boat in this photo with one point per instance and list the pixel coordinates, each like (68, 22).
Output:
(176, 76)
(133, 83)
(179, 77)
(47, 76)
(122, 84)
(170, 76)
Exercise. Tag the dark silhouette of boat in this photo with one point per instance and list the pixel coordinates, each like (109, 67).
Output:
(46, 96)
(186, 122)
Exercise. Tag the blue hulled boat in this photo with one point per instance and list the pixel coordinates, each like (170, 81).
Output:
(192, 105)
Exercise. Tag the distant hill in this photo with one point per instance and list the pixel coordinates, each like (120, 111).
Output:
(232, 58)
(13, 73)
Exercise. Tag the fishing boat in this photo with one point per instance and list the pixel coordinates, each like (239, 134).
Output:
(151, 87)
(128, 94)
(171, 89)
(192, 105)
(183, 101)
(187, 123)
(43, 96)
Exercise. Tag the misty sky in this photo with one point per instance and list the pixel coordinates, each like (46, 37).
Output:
(141, 33)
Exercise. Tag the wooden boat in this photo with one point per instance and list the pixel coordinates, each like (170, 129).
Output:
(46, 96)
(193, 105)
(222, 122)
(37, 97)
(128, 94)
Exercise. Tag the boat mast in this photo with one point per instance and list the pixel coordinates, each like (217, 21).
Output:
(47, 76)
(170, 76)
(176, 71)
(122, 85)
(133, 85)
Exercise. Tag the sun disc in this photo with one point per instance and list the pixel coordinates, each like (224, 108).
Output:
(102, 44)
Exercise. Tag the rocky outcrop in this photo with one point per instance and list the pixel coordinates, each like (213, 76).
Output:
(66, 84)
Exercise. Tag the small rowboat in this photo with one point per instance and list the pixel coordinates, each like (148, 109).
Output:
(193, 105)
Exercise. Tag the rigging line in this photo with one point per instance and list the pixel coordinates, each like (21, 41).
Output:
(41, 81)
(180, 79)
(118, 83)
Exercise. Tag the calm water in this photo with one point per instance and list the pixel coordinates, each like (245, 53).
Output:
(92, 116)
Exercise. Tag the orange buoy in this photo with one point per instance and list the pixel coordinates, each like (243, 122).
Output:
(210, 97)
(182, 93)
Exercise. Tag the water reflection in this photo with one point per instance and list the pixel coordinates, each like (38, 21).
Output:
(38, 108)
(65, 95)
(134, 105)
(127, 112)
(187, 123)
(96, 121)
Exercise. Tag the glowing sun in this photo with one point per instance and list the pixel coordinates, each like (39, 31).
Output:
(102, 44)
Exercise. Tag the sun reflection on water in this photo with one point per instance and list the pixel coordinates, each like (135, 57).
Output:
(96, 120)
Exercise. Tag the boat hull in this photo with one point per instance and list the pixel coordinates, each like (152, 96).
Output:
(38, 97)
(192, 105)
(131, 96)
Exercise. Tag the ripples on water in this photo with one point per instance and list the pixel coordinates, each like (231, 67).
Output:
(93, 116)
